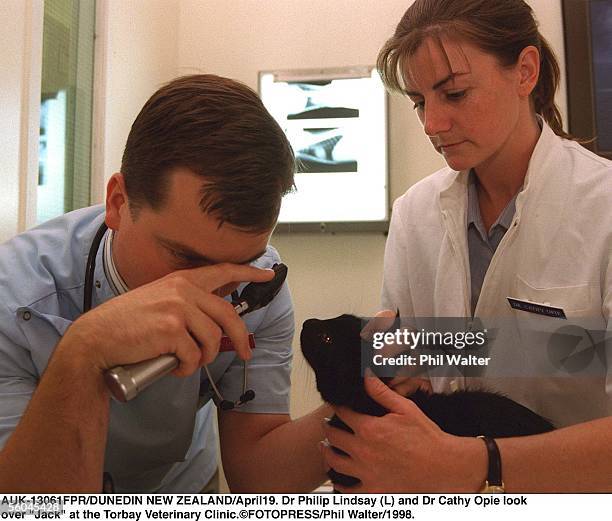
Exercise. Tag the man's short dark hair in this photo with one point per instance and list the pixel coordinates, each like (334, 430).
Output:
(219, 129)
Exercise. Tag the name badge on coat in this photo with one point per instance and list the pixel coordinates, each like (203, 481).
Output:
(544, 309)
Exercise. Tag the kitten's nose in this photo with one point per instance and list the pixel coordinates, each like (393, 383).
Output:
(310, 342)
(310, 330)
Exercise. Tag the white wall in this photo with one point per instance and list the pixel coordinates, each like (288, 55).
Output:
(20, 63)
(11, 64)
(140, 55)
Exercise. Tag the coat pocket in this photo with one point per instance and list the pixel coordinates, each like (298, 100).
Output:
(577, 300)
(550, 346)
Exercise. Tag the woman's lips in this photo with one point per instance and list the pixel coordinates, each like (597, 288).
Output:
(451, 145)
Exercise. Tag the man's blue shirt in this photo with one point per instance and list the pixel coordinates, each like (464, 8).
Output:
(163, 440)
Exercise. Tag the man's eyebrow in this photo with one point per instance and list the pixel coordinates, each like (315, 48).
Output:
(183, 249)
(194, 256)
(438, 84)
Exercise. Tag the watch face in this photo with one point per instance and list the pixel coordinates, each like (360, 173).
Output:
(493, 489)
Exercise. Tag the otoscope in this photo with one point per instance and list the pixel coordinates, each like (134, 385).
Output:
(127, 381)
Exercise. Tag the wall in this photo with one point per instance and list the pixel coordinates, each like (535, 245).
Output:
(10, 113)
(140, 55)
(20, 63)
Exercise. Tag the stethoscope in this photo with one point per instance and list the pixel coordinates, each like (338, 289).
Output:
(135, 382)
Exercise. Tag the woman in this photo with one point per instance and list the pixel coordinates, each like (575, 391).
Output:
(521, 212)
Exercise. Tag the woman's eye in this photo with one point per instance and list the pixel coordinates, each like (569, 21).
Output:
(419, 105)
(456, 95)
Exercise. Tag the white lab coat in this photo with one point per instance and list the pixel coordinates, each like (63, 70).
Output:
(557, 251)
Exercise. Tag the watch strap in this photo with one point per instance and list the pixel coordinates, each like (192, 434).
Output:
(494, 481)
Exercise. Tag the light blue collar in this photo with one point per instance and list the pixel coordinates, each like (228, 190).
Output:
(114, 278)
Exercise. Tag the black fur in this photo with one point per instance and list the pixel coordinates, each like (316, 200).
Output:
(332, 348)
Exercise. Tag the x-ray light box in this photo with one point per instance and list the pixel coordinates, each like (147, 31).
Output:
(336, 122)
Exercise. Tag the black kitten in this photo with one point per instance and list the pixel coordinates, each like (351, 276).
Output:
(332, 348)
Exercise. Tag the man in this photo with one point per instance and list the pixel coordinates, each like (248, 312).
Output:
(201, 181)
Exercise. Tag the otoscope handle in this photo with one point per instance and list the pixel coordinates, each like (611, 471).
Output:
(127, 381)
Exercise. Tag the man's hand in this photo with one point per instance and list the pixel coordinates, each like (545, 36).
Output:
(403, 451)
(182, 314)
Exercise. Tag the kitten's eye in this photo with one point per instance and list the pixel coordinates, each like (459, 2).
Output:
(325, 338)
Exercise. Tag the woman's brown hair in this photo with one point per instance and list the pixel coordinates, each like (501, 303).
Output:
(502, 28)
